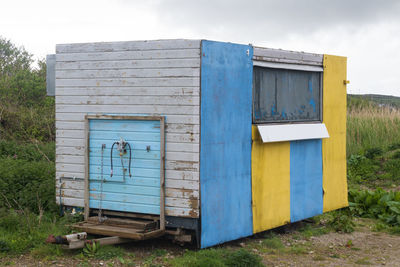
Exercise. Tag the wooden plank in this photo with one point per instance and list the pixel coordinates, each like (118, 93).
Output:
(184, 185)
(128, 214)
(285, 56)
(112, 240)
(128, 91)
(128, 73)
(73, 170)
(129, 64)
(108, 230)
(76, 164)
(130, 55)
(70, 141)
(129, 100)
(170, 128)
(135, 109)
(173, 195)
(129, 223)
(182, 175)
(170, 137)
(127, 46)
(171, 118)
(130, 82)
(169, 211)
(162, 173)
(182, 193)
(86, 177)
(171, 147)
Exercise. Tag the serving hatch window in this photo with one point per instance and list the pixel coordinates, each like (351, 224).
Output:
(283, 95)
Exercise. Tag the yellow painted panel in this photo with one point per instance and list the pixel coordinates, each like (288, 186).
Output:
(334, 147)
(270, 165)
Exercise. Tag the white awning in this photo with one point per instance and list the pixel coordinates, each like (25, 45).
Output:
(291, 132)
(278, 65)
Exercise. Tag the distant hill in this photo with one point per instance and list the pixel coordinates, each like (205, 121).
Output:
(386, 100)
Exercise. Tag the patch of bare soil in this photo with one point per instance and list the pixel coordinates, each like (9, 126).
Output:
(335, 249)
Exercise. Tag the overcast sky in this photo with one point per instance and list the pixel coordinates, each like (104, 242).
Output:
(366, 31)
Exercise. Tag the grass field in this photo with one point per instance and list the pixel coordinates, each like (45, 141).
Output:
(371, 125)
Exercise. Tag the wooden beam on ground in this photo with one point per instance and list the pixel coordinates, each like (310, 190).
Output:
(112, 240)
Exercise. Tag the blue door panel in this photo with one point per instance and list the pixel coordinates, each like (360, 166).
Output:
(225, 154)
(139, 193)
(305, 179)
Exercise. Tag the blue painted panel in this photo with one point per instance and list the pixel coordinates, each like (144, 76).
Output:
(305, 179)
(225, 158)
(139, 193)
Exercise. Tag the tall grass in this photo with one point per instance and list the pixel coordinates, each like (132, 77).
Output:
(370, 125)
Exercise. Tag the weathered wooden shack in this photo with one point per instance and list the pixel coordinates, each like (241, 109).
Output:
(217, 139)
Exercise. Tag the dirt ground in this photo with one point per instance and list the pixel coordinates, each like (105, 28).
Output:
(362, 247)
(334, 249)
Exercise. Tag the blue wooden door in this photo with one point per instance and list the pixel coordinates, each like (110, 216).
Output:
(121, 192)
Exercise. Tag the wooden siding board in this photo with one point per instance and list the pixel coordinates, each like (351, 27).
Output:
(171, 200)
(128, 64)
(225, 176)
(172, 118)
(128, 82)
(170, 211)
(71, 171)
(158, 80)
(285, 56)
(130, 55)
(133, 109)
(128, 46)
(129, 100)
(77, 150)
(128, 73)
(128, 91)
(170, 137)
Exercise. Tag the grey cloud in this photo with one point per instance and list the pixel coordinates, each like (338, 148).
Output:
(274, 17)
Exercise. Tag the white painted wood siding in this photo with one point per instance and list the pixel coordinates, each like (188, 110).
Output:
(284, 56)
(142, 77)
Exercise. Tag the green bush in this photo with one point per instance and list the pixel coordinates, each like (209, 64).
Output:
(26, 112)
(377, 204)
(341, 221)
(27, 184)
(27, 151)
(374, 152)
(361, 168)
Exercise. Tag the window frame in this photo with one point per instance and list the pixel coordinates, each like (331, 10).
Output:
(296, 67)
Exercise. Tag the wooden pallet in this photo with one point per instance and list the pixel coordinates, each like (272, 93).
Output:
(137, 229)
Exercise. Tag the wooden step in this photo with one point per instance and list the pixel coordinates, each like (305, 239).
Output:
(139, 224)
(113, 230)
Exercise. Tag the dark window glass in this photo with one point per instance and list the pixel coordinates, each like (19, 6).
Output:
(281, 95)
